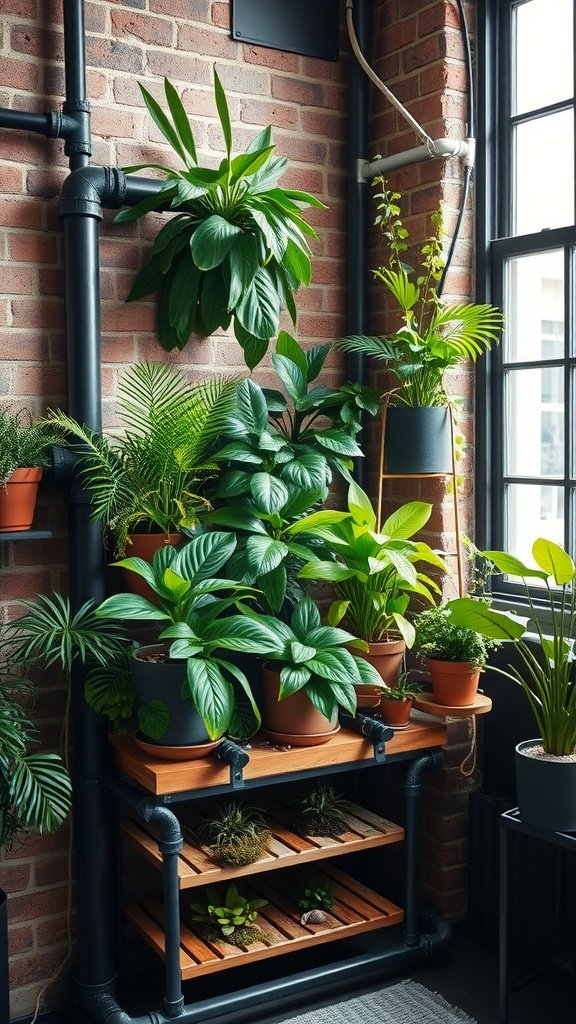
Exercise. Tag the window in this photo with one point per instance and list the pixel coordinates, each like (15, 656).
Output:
(527, 190)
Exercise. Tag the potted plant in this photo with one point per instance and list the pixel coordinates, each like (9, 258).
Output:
(316, 675)
(148, 478)
(188, 692)
(24, 452)
(545, 766)
(236, 834)
(396, 701)
(316, 897)
(432, 336)
(374, 573)
(455, 655)
(237, 248)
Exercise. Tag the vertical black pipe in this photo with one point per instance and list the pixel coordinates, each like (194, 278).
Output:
(95, 963)
(412, 790)
(4, 976)
(356, 234)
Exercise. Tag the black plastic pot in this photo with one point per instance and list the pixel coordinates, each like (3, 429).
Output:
(418, 440)
(4, 976)
(546, 790)
(157, 680)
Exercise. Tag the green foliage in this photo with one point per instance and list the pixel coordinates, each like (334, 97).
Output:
(35, 790)
(405, 688)
(194, 604)
(238, 247)
(150, 474)
(24, 443)
(546, 675)
(313, 658)
(324, 799)
(232, 822)
(432, 335)
(316, 895)
(235, 911)
(374, 571)
(108, 691)
(437, 636)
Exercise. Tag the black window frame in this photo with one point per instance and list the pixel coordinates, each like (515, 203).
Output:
(494, 245)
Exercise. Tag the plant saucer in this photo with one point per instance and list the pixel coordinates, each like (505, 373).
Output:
(290, 739)
(191, 753)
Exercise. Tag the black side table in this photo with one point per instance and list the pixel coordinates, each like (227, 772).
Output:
(511, 821)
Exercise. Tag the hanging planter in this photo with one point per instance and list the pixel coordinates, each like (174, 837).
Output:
(418, 440)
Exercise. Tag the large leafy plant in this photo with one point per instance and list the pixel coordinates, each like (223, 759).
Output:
(433, 335)
(193, 603)
(546, 672)
(374, 571)
(302, 436)
(237, 248)
(150, 475)
(314, 658)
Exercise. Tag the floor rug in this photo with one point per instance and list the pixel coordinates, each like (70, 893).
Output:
(405, 1003)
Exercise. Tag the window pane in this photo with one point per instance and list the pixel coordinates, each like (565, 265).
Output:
(544, 60)
(534, 405)
(532, 511)
(544, 173)
(534, 306)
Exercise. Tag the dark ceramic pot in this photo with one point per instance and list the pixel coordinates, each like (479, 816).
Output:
(162, 680)
(546, 790)
(418, 440)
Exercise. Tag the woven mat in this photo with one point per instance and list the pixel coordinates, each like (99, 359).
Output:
(405, 1003)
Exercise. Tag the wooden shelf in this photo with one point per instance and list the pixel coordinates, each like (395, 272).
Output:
(365, 831)
(25, 535)
(427, 703)
(356, 909)
(345, 748)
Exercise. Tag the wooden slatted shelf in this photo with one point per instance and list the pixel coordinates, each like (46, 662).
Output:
(345, 748)
(286, 848)
(356, 909)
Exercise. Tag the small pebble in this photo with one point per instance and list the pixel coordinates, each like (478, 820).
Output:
(313, 917)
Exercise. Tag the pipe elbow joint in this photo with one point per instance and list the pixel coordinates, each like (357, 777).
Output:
(63, 462)
(88, 190)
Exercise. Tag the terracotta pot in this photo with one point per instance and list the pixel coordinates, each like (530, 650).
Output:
(162, 680)
(367, 697)
(454, 683)
(395, 712)
(143, 546)
(18, 500)
(386, 657)
(295, 715)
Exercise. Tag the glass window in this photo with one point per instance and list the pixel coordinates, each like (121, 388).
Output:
(531, 273)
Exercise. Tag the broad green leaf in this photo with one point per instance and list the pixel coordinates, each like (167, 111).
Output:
(251, 406)
(292, 679)
(338, 441)
(336, 612)
(212, 240)
(170, 231)
(554, 560)
(236, 451)
(153, 718)
(163, 123)
(407, 520)
(235, 482)
(254, 349)
(162, 198)
(273, 586)
(223, 113)
(323, 637)
(269, 493)
(292, 377)
(236, 519)
(248, 163)
(204, 556)
(322, 518)
(337, 665)
(316, 357)
(297, 262)
(305, 618)
(288, 346)
(368, 674)
(212, 694)
(264, 554)
(510, 564)
(213, 300)
(244, 262)
(148, 280)
(308, 471)
(251, 633)
(129, 606)
(361, 507)
(301, 653)
(322, 697)
(405, 628)
(316, 569)
(466, 611)
(259, 308)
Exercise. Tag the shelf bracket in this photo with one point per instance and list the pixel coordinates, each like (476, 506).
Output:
(372, 728)
(231, 754)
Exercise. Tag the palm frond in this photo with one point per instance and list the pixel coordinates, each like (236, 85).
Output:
(379, 348)
(469, 328)
(40, 788)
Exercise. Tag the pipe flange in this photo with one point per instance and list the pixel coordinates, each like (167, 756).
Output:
(70, 105)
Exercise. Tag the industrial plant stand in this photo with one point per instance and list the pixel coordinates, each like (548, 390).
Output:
(151, 789)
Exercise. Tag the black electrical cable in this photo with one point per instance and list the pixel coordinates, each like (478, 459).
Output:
(471, 130)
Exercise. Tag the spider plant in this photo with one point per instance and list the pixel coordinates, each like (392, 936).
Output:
(151, 474)
(433, 335)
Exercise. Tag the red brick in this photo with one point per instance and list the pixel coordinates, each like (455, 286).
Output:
(264, 113)
(43, 313)
(188, 10)
(309, 94)
(280, 60)
(20, 213)
(38, 42)
(157, 31)
(11, 179)
(20, 940)
(20, 8)
(45, 183)
(110, 53)
(24, 346)
(207, 41)
(52, 931)
(33, 247)
(22, 71)
(221, 15)
(115, 123)
(17, 280)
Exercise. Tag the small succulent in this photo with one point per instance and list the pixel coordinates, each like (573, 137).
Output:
(235, 911)
(316, 895)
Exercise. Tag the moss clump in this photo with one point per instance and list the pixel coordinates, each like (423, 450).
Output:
(244, 850)
(318, 823)
(244, 935)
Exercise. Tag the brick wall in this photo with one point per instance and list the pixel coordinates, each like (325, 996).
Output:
(416, 46)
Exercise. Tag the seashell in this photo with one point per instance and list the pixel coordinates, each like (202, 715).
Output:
(313, 917)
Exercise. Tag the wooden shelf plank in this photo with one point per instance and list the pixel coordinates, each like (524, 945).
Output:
(356, 909)
(365, 831)
(345, 748)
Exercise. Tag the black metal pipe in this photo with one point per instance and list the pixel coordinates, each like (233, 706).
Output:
(356, 291)
(412, 789)
(233, 1007)
(78, 146)
(4, 975)
(138, 188)
(40, 123)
